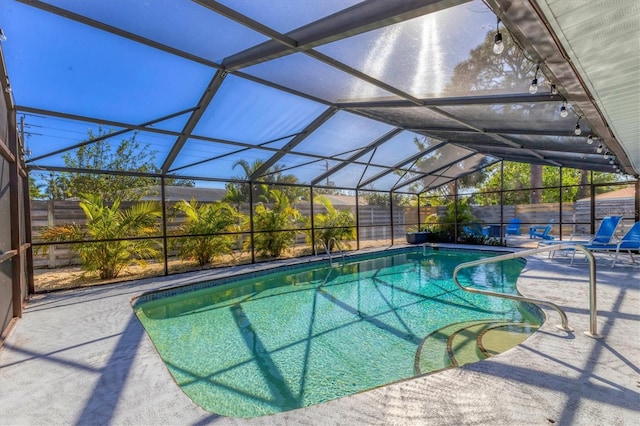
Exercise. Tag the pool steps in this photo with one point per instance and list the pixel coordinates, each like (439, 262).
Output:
(467, 342)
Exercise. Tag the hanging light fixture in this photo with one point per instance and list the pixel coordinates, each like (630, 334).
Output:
(533, 89)
(578, 130)
(563, 110)
(498, 45)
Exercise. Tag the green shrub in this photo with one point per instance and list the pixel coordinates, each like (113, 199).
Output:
(206, 225)
(104, 222)
(338, 224)
(442, 228)
(272, 225)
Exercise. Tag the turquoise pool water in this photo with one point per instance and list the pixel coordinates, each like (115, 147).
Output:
(303, 336)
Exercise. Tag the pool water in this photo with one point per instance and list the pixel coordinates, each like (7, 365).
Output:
(304, 336)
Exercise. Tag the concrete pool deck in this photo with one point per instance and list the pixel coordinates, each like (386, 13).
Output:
(82, 357)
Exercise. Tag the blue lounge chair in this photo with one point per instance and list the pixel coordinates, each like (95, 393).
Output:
(541, 231)
(629, 242)
(603, 235)
(514, 227)
(606, 230)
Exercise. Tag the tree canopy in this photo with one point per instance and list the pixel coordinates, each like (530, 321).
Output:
(518, 184)
(129, 155)
(239, 192)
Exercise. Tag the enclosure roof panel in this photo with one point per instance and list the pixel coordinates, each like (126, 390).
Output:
(420, 56)
(245, 111)
(353, 94)
(317, 78)
(342, 134)
(287, 15)
(175, 24)
(84, 71)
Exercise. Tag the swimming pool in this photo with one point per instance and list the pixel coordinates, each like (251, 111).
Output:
(253, 345)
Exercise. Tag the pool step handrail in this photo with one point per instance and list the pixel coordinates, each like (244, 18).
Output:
(326, 245)
(593, 326)
(337, 245)
(315, 247)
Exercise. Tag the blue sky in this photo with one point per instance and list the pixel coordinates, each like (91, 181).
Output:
(61, 65)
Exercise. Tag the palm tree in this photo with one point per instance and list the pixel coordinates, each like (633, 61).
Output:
(234, 196)
(272, 176)
(273, 225)
(206, 226)
(110, 223)
(338, 224)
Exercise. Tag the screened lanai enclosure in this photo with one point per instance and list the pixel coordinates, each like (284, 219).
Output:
(149, 138)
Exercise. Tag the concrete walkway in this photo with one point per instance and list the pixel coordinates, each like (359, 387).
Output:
(81, 357)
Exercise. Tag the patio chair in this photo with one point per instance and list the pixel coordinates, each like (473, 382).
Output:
(629, 242)
(603, 235)
(541, 231)
(514, 227)
(476, 230)
(606, 230)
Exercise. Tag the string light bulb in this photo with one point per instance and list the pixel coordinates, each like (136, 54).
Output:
(563, 110)
(578, 130)
(3, 37)
(599, 149)
(590, 139)
(498, 45)
(554, 89)
(533, 89)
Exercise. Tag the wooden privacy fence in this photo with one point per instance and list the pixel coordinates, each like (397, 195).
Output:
(375, 224)
(374, 221)
(576, 217)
